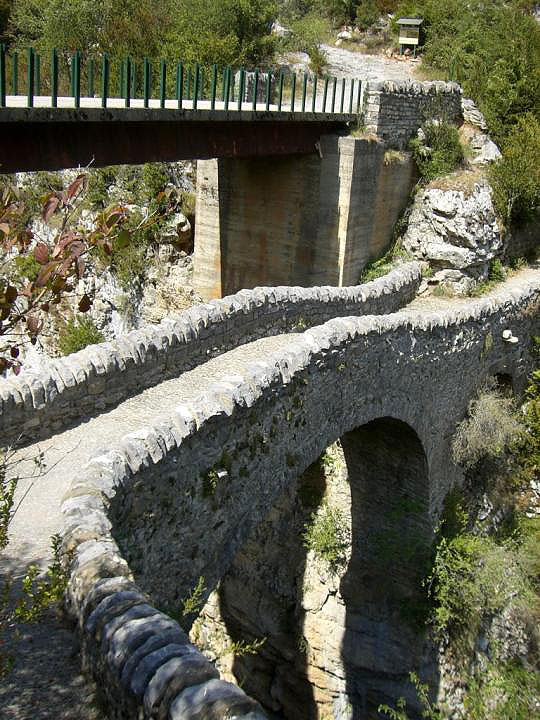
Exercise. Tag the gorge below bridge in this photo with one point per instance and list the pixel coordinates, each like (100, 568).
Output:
(233, 401)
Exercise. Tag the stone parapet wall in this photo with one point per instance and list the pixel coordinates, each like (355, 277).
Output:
(181, 497)
(394, 111)
(101, 376)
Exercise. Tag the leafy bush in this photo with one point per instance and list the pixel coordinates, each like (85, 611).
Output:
(488, 431)
(99, 183)
(327, 536)
(516, 177)
(78, 334)
(367, 14)
(307, 35)
(155, 178)
(440, 152)
(26, 267)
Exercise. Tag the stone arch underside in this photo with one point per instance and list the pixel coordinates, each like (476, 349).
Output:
(338, 640)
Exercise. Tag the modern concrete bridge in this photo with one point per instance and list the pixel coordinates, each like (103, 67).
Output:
(45, 138)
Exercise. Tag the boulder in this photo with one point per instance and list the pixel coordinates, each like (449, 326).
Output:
(455, 230)
(484, 149)
(345, 35)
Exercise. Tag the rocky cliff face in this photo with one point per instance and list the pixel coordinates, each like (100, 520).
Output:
(455, 230)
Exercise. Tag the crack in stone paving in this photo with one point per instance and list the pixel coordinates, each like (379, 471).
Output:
(46, 680)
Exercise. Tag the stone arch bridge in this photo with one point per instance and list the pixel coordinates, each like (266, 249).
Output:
(157, 509)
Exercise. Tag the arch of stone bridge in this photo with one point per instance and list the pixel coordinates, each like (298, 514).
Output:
(194, 509)
(359, 623)
(181, 497)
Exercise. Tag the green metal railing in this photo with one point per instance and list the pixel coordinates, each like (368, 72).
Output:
(167, 85)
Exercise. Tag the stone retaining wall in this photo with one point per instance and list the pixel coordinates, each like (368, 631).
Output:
(394, 111)
(36, 405)
(181, 497)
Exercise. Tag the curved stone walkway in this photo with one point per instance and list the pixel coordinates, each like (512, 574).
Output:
(46, 681)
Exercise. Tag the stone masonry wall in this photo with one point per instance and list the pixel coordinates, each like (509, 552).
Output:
(394, 111)
(176, 501)
(101, 376)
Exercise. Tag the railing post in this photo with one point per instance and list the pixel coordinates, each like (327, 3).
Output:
(180, 84)
(293, 91)
(133, 78)
(325, 93)
(196, 86)
(334, 94)
(268, 89)
(255, 89)
(54, 78)
(213, 89)
(121, 78)
(314, 98)
(30, 74)
(15, 73)
(146, 82)
(3, 91)
(223, 84)
(77, 79)
(351, 96)
(104, 80)
(281, 81)
(201, 83)
(304, 92)
(162, 84)
(37, 67)
(342, 96)
(128, 83)
(241, 88)
(227, 86)
(359, 96)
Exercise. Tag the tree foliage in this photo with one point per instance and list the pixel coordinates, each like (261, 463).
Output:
(37, 274)
(204, 31)
(516, 177)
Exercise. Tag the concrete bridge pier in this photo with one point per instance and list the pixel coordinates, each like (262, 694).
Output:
(314, 219)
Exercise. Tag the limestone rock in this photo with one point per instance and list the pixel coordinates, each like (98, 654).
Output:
(455, 230)
(484, 149)
(345, 35)
(471, 114)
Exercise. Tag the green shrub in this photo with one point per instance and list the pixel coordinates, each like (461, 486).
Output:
(26, 267)
(503, 692)
(327, 536)
(367, 14)
(99, 182)
(516, 177)
(155, 178)
(490, 428)
(440, 153)
(78, 334)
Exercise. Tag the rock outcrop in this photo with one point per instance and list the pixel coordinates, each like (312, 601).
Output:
(456, 231)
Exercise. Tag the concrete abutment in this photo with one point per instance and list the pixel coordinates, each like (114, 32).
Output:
(297, 220)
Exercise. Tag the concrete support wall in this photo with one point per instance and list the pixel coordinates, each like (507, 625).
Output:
(297, 220)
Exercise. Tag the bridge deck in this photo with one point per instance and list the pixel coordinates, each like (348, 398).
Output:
(47, 138)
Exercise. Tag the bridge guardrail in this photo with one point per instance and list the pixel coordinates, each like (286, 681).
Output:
(70, 81)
